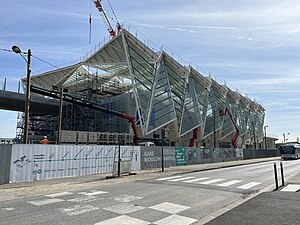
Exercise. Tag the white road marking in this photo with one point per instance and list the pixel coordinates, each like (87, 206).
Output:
(78, 209)
(195, 180)
(92, 193)
(168, 178)
(182, 178)
(127, 198)
(175, 220)
(249, 185)
(212, 181)
(126, 220)
(291, 188)
(169, 207)
(84, 199)
(226, 184)
(45, 202)
(7, 209)
(55, 195)
(124, 208)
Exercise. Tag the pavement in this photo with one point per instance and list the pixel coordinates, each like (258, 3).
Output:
(274, 207)
(271, 207)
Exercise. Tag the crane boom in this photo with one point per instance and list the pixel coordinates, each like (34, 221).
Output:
(110, 29)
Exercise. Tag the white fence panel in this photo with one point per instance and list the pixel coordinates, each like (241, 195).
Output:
(38, 162)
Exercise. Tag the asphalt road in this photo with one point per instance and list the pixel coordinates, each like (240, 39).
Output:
(190, 198)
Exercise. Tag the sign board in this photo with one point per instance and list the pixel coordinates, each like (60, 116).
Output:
(180, 156)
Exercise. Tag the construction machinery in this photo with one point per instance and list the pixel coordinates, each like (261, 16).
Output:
(111, 31)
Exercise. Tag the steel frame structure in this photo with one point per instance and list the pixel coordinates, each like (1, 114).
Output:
(162, 93)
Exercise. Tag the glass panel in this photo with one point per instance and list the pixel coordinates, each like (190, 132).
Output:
(143, 72)
(162, 108)
(178, 85)
(228, 126)
(210, 120)
(202, 96)
(191, 112)
(201, 88)
(259, 118)
(242, 118)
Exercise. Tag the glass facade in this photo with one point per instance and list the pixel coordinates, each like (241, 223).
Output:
(170, 93)
(163, 93)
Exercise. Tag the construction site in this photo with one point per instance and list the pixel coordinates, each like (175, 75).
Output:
(128, 91)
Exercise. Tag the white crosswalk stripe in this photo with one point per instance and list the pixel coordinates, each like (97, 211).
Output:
(182, 179)
(78, 209)
(168, 178)
(45, 201)
(195, 180)
(92, 193)
(212, 181)
(249, 185)
(291, 188)
(59, 194)
(229, 183)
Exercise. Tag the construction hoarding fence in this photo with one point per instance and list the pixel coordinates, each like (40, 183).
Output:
(31, 162)
(38, 162)
(151, 156)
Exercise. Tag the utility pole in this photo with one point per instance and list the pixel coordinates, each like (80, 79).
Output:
(27, 103)
(60, 115)
(265, 127)
(215, 141)
(17, 50)
(163, 135)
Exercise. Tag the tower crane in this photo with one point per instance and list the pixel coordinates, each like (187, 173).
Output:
(110, 29)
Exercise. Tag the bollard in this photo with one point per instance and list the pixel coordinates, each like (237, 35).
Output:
(276, 179)
(162, 156)
(119, 160)
(282, 176)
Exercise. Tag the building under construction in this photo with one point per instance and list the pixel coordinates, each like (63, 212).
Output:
(128, 90)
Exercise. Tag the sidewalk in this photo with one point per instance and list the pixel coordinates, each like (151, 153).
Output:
(24, 189)
(274, 208)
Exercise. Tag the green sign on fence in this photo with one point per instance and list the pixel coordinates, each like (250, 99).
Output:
(180, 155)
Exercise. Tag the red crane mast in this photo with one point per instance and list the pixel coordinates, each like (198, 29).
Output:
(110, 29)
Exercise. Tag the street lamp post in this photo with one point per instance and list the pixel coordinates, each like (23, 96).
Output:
(265, 127)
(284, 139)
(17, 50)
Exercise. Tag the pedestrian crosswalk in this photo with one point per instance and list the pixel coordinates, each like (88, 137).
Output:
(116, 210)
(220, 182)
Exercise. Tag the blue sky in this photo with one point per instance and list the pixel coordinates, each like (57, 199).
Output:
(253, 45)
